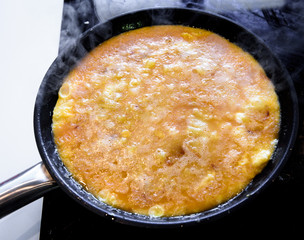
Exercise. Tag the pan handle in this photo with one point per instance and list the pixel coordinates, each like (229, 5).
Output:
(24, 188)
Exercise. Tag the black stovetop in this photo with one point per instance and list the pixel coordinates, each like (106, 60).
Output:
(276, 211)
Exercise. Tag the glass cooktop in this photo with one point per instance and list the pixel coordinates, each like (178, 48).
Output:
(277, 210)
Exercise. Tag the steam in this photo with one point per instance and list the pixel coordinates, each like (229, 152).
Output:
(109, 9)
(281, 29)
(77, 17)
(231, 5)
(70, 29)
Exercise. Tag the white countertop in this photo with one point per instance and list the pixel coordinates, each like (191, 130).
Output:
(29, 41)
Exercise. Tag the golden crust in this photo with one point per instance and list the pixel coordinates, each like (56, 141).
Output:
(166, 120)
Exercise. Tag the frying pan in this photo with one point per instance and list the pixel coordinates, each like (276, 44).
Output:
(51, 173)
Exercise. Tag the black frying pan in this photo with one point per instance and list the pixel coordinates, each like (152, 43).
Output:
(48, 94)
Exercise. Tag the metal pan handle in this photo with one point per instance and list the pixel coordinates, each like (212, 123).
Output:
(24, 188)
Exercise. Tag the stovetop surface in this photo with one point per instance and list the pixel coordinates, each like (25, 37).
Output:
(277, 210)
